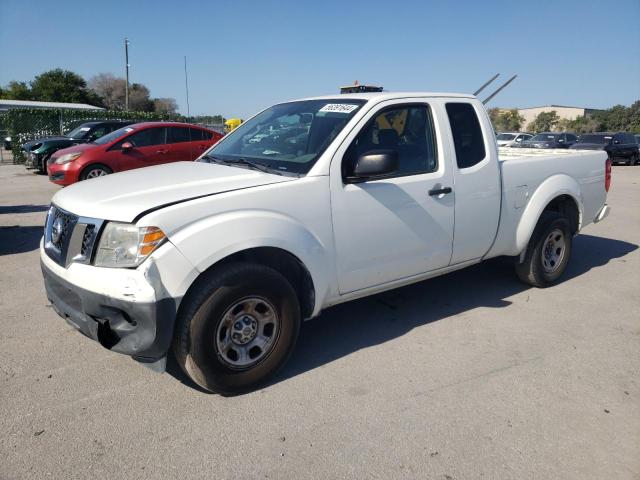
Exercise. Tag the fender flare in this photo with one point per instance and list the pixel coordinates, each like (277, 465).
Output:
(229, 233)
(550, 189)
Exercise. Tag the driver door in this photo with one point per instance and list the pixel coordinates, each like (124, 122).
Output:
(397, 227)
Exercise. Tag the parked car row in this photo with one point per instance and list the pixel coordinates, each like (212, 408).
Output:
(40, 150)
(94, 149)
(621, 147)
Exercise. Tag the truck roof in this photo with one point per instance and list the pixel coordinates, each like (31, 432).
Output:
(380, 96)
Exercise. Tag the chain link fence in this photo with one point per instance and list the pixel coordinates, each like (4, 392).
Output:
(25, 124)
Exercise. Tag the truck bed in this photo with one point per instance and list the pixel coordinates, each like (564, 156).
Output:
(526, 171)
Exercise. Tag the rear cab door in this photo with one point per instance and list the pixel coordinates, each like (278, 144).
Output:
(476, 180)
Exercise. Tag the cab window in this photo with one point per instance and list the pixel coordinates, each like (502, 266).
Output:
(408, 130)
(467, 134)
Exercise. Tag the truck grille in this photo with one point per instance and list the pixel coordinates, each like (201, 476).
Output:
(87, 241)
(69, 238)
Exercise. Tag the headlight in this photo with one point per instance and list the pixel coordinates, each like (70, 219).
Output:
(126, 245)
(67, 157)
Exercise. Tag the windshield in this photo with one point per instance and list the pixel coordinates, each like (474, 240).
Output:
(506, 136)
(110, 137)
(78, 133)
(288, 137)
(599, 139)
(544, 137)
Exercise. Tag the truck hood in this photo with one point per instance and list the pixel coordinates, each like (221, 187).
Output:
(124, 196)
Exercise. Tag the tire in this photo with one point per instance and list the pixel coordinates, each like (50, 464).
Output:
(42, 165)
(95, 171)
(229, 310)
(548, 252)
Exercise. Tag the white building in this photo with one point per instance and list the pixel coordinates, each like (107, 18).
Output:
(570, 113)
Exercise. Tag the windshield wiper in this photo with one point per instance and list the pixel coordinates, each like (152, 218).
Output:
(254, 165)
(211, 158)
(243, 161)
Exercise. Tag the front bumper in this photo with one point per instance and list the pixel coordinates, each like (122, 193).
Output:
(140, 329)
(129, 311)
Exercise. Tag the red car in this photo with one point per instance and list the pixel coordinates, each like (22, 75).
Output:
(133, 146)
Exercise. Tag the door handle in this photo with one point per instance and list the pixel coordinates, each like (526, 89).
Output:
(162, 151)
(440, 191)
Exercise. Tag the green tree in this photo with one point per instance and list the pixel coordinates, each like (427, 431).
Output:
(506, 120)
(633, 117)
(544, 122)
(63, 86)
(16, 91)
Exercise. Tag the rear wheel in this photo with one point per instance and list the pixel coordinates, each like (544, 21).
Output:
(237, 326)
(95, 171)
(548, 251)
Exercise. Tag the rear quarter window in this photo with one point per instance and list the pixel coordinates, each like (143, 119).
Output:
(467, 134)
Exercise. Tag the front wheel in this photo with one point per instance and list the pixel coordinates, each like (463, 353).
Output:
(548, 251)
(236, 327)
(95, 171)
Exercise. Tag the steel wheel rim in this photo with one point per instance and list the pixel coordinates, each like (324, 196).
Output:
(553, 250)
(247, 332)
(95, 173)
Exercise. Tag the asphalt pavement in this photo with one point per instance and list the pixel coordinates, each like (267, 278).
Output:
(467, 376)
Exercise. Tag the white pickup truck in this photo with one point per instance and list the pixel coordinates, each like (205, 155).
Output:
(308, 204)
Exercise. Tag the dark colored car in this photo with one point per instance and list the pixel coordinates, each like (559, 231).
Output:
(38, 151)
(550, 140)
(134, 146)
(622, 147)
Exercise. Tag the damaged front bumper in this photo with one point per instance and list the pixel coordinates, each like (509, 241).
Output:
(124, 310)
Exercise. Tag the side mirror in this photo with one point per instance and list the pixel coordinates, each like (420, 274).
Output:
(616, 142)
(126, 146)
(561, 140)
(518, 139)
(374, 164)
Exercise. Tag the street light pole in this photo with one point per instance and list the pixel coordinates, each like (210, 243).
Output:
(126, 67)
(186, 85)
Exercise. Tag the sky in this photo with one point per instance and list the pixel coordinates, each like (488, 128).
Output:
(246, 55)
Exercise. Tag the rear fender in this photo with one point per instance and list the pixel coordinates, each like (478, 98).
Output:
(553, 187)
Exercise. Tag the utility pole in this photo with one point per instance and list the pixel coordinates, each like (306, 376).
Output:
(126, 67)
(186, 84)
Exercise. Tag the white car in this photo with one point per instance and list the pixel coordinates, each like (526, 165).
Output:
(222, 258)
(509, 139)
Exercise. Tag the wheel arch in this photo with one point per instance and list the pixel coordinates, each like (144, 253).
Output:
(93, 164)
(280, 260)
(560, 193)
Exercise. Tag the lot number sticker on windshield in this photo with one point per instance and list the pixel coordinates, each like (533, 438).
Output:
(338, 108)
